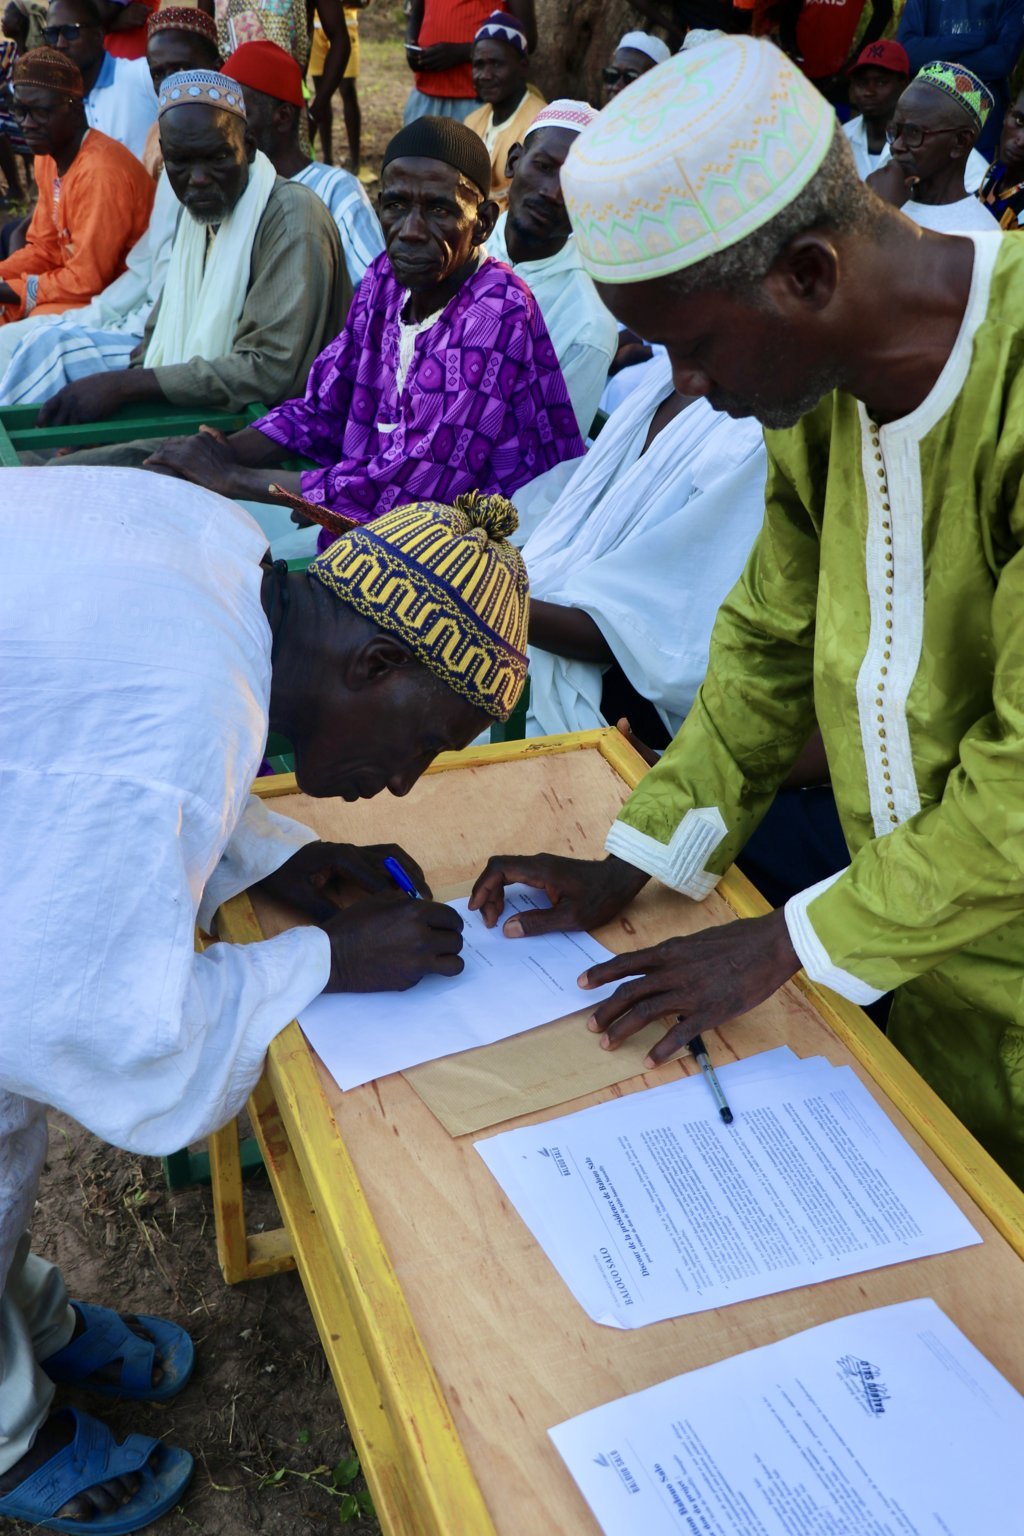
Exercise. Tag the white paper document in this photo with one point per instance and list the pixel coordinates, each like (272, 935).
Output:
(650, 1207)
(887, 1423)
(507, 987)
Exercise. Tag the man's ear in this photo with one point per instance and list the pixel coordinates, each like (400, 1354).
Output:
(283, 116)
(515, 154)
(374, 660)
(806, 272)
(486, 218)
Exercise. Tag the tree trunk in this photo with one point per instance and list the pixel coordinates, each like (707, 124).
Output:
(575, 40)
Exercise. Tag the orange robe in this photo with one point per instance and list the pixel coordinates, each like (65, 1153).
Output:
(83, 227)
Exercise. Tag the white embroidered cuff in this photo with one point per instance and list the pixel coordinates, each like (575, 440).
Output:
(678, 863)
(813, 955)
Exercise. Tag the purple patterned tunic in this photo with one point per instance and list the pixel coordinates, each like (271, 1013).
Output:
(484, 405)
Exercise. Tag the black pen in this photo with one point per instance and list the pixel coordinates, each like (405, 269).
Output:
(703, 1060)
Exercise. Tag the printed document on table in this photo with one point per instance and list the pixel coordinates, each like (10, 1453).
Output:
(887, 1423)
(507, 987)
(650, 1207)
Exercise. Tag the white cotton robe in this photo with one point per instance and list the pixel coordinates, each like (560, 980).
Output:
(649, 544)
(134, 686)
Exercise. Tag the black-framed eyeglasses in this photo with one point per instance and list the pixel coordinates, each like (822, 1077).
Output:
(913, 136)
(21, 110)
(70, 32)
(612, 76)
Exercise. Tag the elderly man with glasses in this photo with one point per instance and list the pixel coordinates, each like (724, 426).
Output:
(931, 138)
(94, 197)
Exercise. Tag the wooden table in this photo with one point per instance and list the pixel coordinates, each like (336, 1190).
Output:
(452, 1341)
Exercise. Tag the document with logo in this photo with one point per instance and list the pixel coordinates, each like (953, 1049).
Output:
(507, 986)
(649, 1206)
(887, 1423)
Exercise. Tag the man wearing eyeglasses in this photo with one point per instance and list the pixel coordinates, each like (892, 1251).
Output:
(119, 96)
(931, 137)
(636, 54)
(95, 198)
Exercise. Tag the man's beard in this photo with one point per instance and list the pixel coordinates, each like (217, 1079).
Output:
(207, 216)
(779, 414)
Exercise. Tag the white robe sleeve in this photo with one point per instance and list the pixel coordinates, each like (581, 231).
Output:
(110, 1015)
(261, 842)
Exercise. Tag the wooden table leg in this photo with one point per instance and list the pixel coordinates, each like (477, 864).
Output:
(242, 1255)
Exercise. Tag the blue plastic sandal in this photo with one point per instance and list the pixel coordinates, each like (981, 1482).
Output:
(93, 1457)
(105, 1340)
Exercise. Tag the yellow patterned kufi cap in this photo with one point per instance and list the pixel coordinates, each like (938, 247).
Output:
(695, 156)
(449, 584)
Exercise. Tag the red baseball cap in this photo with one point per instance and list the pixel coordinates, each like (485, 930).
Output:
(265, 67)
(885, 54)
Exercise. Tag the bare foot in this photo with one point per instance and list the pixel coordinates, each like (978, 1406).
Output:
(103, 1499)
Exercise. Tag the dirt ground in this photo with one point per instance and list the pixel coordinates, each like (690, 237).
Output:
(261, 1415)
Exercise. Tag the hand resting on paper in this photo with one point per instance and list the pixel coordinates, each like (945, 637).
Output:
(705, 979)
(389, 943)
(309, 879)
(584, 893)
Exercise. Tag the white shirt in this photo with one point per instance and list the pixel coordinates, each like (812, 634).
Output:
(583, 332)
(122, 102)
(135, 667)
(959, 218)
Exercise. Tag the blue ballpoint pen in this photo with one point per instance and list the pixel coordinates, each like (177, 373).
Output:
(401, 879)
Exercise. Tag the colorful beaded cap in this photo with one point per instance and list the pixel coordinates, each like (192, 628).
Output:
(972, 94)
(448, 583)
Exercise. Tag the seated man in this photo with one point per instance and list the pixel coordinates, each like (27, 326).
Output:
(932, 133)
(444, 378)
(271, 84)
(877, 80)
(255, 285)
(637, 53)
(177, 37)
(630, 552)
(119, 96)
(1002, 190)
(510, 104)
(94, 196)
(535, 237)
(169, 672)
(104, 334)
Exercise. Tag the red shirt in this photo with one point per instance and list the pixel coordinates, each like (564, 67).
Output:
(825, 32)
(451, 21)
(131, 43)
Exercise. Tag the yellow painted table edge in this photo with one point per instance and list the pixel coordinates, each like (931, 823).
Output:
(390, 1382)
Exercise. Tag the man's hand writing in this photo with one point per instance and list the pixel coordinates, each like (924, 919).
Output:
(705, 979)
(583, 893)
(309, 878)
(389, 943)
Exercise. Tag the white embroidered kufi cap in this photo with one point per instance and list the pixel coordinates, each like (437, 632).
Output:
(644, 42)
(695, 156)
(201, 87)
(563, 113)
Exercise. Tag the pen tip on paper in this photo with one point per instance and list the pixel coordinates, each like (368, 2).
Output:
(726, 1115)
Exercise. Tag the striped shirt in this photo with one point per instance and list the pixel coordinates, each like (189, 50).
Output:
(352, 211)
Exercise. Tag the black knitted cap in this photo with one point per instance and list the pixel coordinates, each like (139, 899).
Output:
(447, 140)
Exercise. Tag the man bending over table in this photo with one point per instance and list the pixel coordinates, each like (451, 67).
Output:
(134, 715)
(884, 599)
(255, 285)
(443, 379)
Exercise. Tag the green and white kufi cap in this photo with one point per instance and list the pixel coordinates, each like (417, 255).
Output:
(695, 156)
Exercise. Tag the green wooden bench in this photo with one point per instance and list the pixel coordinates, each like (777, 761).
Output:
(19, 433)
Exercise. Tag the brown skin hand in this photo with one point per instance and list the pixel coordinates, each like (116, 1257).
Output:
(207, 154)
(450, 55)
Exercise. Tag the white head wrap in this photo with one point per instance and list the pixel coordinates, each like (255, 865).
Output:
(563, 113)
(691, 159)
(643, 42)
